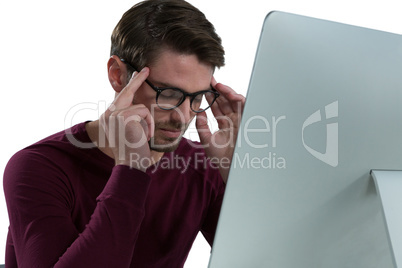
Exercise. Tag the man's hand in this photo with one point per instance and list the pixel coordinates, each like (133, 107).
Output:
(129, 127)
(227, 110)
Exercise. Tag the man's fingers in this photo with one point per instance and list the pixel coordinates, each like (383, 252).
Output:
(138, 114)
(126, 96)
(141, 112)
(213, 82)
(201, 124)
(229, 101)
(223, 105)
(214, 107)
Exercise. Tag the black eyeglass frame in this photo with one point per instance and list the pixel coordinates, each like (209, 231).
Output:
(192, 96)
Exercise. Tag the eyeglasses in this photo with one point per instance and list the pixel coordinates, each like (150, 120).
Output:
(168, 98)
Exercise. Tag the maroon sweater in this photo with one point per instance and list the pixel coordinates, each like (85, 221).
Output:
(71, 207)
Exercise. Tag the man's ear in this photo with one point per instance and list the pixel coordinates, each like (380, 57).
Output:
(117, 73)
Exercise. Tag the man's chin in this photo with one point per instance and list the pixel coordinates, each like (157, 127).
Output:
(165, 146)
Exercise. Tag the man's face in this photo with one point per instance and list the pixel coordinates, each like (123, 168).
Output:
(174, 70)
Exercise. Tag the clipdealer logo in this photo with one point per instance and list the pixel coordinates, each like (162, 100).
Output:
(330, 156)
(256, 129)
(274, 160)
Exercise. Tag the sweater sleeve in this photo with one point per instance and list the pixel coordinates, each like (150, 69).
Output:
(39, 203)
(208, 228)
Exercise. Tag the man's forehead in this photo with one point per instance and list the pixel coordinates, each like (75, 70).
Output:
(181, 71)
(162, 84)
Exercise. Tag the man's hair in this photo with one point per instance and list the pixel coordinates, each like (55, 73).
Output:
(153, 25)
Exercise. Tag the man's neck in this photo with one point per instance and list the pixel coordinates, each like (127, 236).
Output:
(96, 134)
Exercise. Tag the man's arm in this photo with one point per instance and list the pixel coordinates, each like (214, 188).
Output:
(210, 223)
(39, 202)
(227, 110)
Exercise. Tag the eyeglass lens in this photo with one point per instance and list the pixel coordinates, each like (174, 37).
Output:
(171, 98)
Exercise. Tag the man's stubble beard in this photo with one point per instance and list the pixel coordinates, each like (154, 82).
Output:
(164, 148)
(168, 144)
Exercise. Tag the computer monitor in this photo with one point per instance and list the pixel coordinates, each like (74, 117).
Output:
(324, 108)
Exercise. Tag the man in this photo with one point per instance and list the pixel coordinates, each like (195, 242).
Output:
(127, 190)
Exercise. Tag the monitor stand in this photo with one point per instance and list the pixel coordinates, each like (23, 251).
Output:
(389, 187)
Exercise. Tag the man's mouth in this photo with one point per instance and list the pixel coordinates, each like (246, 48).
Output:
(171, 133)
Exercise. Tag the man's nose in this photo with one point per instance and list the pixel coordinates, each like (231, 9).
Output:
(183, 113)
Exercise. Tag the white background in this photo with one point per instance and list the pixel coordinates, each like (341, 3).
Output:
(54, 56)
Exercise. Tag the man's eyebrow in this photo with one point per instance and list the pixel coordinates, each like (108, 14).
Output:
(163, 85)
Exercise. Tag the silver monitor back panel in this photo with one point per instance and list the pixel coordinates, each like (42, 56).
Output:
(324, 107)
